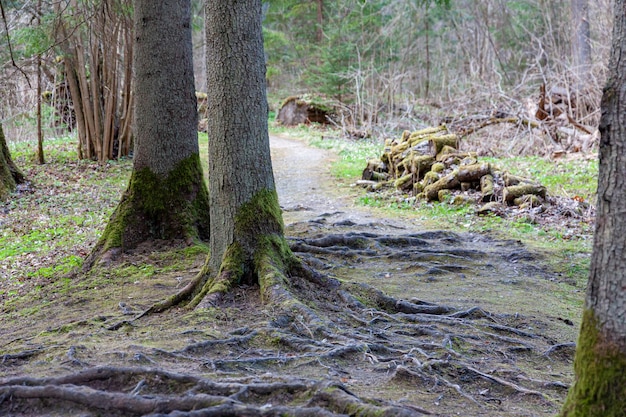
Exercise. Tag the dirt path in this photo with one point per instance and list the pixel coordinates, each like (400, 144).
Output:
(414, 321)
(305, 188)
(307, 191)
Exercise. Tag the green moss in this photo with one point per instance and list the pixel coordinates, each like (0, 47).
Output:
(153, 207)
(600, 386)
(259, 216)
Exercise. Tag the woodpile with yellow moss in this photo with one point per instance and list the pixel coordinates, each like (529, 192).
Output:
(429, 165)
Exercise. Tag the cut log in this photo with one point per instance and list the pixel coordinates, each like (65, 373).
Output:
(447, 182)
(510, 179)
(404, 183)
(430, 178)
(421, 164)
(528, 201)
(472, 173)
(296, 110)
(443, 195)
(486, 188)
(437, 143)
(509, 194)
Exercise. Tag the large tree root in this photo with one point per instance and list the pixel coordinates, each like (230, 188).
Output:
(153, 392)
(333, 331)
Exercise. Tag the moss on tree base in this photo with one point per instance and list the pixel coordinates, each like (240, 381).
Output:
(174, 208)
(600, 386)
(10, 176)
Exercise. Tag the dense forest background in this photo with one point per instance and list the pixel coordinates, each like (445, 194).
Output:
(389, 65)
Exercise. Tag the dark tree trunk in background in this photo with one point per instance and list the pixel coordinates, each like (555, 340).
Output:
(166, 198)
(9, 174)
(600, 364)
(581, 44)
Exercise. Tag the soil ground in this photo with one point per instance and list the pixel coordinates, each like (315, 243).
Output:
(477, 326)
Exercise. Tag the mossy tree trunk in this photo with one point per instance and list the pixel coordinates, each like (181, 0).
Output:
(600, 364)
(9, 174)
(167, 197)
(247, 242)
(245, 216)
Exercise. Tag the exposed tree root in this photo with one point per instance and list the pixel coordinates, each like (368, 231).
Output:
(316, 323)
(153, 392)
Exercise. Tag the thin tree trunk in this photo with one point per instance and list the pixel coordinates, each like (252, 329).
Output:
(40, 155)
(581, 44)
(320, 21)
(600, 362)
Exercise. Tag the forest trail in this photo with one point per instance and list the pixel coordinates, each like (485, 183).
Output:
(303, 182)
(407, 320)
(302, 179)
(307, 191)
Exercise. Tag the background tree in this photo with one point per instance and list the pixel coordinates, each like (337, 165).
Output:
(96, 41)
(166, 197)
(600, 362)
(10, 175)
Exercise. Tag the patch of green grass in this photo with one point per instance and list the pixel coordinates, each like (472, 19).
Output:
(562, 177)
(63, 267)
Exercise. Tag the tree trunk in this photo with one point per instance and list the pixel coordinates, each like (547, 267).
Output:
(600, 362)
(247, 242)
(166, 197)
(581, 44)
(9, 174)
(240, 168)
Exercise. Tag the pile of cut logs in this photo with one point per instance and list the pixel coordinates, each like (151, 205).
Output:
(428, 164)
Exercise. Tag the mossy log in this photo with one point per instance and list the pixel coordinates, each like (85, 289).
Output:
(421, 164)
(528, 201)
(510, 179)
(429, 131)
(473, 173)
(375, 171)
(447, 182)
(509, 194)
(486, 188)
(442, 195)
(404, 183)
(430, 178)
(296, 110)
(446, 152)
(437, 143)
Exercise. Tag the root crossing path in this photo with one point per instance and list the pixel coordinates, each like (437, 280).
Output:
(388, 319)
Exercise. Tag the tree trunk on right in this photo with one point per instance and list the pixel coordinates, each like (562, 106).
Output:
(9, 174)
(600, 364)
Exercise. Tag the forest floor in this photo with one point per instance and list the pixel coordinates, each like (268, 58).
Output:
(467, 323)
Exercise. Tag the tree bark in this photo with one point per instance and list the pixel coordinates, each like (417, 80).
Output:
(239, 153)
(166, 198)
(581, 44)
(10, 175)
(247, 242)
(600, 362)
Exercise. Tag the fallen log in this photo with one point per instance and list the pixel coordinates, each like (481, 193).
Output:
(509, 194)
(473, 173)
(437, 143)
(486, 188)
(447, 182)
